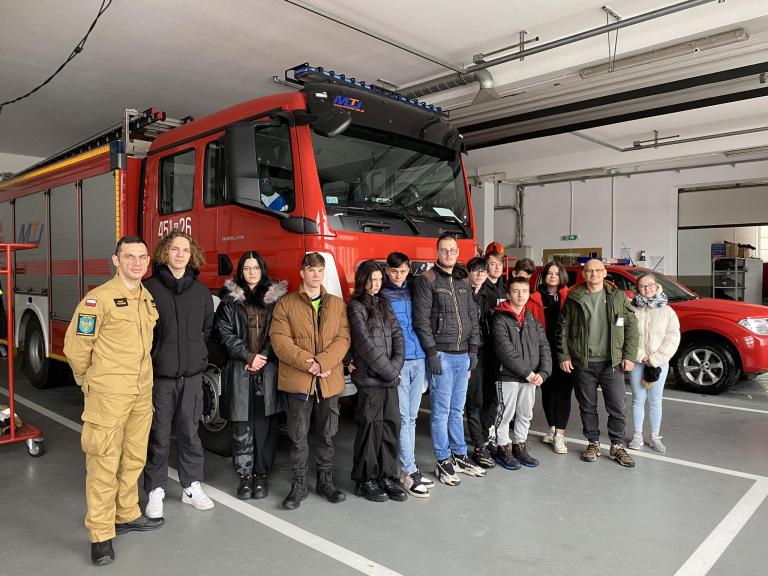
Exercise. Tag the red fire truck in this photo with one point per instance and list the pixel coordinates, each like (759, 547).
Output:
(341, 167)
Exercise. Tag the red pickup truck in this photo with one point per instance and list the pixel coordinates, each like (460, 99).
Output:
(722, 340)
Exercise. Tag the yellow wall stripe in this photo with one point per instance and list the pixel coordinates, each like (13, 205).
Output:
(117, 205)
(57, 166)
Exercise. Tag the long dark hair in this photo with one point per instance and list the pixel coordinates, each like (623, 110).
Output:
(560, 270)
(255, 296)
(363, 274)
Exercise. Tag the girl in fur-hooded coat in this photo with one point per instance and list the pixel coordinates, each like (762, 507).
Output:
(250, 397)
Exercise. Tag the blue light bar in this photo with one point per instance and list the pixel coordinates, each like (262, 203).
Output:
(301, 72)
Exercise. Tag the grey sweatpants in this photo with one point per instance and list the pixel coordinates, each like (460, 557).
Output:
(515, 400)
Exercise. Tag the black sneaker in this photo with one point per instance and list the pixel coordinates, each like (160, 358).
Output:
(141, 524)
(260, 486)
(370, 490)
(428, 482)
(245, 490)
(393, 489)
(520, 452)
(483, 458)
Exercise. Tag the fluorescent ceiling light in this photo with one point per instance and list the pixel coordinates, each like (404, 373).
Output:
(674, 51)
(573, 175)
(746, 151)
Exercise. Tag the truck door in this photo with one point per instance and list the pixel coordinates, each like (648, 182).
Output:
(264, 223)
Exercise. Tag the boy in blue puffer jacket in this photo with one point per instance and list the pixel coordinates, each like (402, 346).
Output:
(397, 289)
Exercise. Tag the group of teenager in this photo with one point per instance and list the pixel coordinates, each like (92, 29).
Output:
(479, 344)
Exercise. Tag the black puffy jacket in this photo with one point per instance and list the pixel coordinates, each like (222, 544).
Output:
(444, 313)
(378, 350)
(485, 302)
(521, 350)
(185, 307)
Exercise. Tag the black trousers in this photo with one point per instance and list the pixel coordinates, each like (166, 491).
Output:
(556, 395)
(611, 380)
(378, 433)
(254, 441)
(326, 423)
(178, 403)
(473, 407)
(491, 367)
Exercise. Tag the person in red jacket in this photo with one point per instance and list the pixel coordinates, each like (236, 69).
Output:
(545, 304)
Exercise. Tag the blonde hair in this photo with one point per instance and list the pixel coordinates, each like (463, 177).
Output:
(197, 257)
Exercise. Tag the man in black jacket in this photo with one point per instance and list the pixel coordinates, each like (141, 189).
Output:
(445, 319)
(179, 357)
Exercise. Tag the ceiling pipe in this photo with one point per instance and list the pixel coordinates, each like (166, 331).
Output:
(468, 75)
(673, 142)
(483, 77)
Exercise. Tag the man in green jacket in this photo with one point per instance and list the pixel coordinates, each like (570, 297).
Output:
(597, 340)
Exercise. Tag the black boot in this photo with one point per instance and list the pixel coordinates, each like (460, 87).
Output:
(260, 486)
(244, 491)
(102, 553)
(297, 494)
(370, 490)
(326, 487)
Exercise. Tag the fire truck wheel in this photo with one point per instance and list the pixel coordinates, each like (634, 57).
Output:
(36, 360)
(35, 447)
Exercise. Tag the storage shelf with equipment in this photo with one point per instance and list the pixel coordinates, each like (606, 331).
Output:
(737, 279)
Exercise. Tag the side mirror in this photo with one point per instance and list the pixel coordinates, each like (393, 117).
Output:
(332, 122)
(242, 169)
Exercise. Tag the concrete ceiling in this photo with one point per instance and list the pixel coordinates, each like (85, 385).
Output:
(194, 57)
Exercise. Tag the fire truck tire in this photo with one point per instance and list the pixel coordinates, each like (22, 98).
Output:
(39, 366)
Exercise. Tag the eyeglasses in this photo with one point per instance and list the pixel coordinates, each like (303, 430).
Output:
(644, 286)
(249, 269)
(478, 272)
(596, 271)
(447, 251)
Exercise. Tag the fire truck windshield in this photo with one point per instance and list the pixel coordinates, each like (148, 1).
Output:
(381, 172)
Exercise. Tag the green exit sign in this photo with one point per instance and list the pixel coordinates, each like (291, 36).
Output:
(570, 237)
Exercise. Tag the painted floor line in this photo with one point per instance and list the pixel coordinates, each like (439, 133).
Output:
(701, 403)
(713, 547)
(654, 456)
(317, 543)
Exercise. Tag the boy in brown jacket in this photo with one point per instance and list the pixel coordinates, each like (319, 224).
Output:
(310, 336)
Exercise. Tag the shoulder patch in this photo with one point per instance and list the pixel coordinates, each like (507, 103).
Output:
(86, 324)
(90, 302)
(121, 302)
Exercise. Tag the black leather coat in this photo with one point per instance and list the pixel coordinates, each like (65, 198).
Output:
(231, 327)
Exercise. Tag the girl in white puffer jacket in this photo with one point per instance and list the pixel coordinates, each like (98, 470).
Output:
(659, 331)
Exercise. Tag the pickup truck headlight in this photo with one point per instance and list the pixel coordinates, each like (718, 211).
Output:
(756, 325)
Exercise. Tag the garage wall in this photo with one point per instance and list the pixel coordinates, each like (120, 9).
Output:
(644, 211)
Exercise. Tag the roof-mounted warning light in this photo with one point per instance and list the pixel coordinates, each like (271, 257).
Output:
(299, 75)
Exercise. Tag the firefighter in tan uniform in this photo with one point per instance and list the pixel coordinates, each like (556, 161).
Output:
(108, 346)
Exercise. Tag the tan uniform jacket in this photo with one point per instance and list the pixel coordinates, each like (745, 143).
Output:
(296, 337)
(109, 340)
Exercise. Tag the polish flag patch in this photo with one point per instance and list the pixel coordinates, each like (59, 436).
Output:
(90, 302)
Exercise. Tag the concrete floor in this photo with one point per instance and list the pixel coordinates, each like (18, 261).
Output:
(699, 509)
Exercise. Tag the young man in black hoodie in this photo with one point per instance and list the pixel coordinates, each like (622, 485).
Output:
(179, 357)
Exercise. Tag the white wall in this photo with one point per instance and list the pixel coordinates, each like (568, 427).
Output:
(694, 247)
(644, 211)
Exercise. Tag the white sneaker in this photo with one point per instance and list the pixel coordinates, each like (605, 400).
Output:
(195, 496)
(549, 437)
(637, 441)
(558, 444)
(154, 507)
(656, 443)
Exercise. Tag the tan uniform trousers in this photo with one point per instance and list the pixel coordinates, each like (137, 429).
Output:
(114, 439)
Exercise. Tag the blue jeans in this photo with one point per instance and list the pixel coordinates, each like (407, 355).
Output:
(639, 394)
(409, 391)
(447, 394)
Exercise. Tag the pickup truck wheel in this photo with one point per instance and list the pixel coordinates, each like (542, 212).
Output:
(706, 367)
